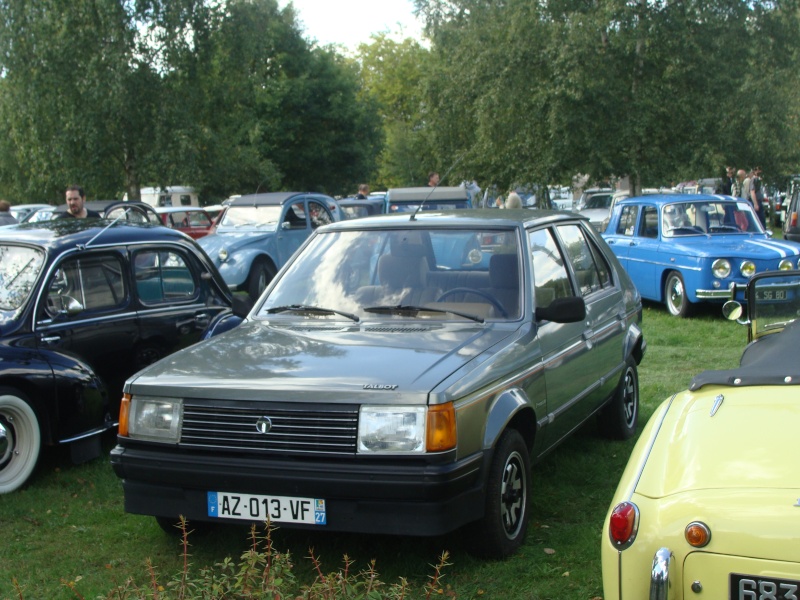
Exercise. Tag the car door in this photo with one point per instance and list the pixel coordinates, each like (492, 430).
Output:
(175, 301)
(299, 219)
(622, 237)
(643, 254)
(85, 309)
(564, 347)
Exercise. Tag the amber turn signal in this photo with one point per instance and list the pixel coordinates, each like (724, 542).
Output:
(441, 433)
(697, 534)
(124, 409)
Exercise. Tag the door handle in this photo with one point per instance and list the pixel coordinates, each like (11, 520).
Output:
(202, 319)
(51, 339)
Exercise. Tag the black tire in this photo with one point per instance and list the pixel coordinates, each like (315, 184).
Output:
(502, 529)
(20, 440)
(675, 296)
(620, 418)
(261, 273)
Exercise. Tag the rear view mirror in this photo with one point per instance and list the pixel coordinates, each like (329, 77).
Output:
(563, 310)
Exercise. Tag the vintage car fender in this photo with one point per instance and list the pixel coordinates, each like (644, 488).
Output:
(242, 251)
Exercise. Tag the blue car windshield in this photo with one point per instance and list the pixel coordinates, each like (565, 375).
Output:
(250, 216)
(708, 218)
(19, 269)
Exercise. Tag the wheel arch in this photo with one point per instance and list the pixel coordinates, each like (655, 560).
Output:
(36, 396)
(511, 410)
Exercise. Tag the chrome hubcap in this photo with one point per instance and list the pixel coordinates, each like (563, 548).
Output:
(513, 494)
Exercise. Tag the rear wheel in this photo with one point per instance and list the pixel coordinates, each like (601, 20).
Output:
(20, 440)
(620, 418)
(261, 273)
(675, 295)
(502, 530)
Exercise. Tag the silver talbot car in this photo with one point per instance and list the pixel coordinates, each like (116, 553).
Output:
(399, 376)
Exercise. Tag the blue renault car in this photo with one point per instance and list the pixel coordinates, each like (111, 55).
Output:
(681, 249)
(259, 232)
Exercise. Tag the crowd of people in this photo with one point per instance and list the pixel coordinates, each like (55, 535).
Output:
(748, 186)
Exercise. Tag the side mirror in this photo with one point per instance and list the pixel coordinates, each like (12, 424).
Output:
(563, 310)
(732, 310)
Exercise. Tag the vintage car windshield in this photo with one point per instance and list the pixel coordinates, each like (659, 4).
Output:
(19, 268)
(401, 274)
(777, 303)
(251, 216)
(708, 218)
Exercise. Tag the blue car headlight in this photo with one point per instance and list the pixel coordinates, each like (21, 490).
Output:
(747, 269)
(785, 265)
(721, 268)
(222, 254)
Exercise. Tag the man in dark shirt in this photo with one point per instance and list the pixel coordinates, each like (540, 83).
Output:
(76, 205)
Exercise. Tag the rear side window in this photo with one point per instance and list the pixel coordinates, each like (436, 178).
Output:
(96, 282)
(550, 277)
(163, 276)
(590, 267)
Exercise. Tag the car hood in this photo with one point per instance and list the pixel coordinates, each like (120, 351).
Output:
(595, 214)
(233, 239)
(748, 443)
(339, 362)
(733, 246)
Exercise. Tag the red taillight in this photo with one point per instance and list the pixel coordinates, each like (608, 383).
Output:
(793, 222)
(623, 524)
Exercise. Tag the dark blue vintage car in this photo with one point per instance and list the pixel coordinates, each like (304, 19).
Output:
(84, 304)
(681, 249)
(258, 233)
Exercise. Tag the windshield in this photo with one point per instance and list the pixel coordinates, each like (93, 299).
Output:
(417, 273)
(252, 216)
(708, 217)
(599, 201)
(19, 268)
(413, 205)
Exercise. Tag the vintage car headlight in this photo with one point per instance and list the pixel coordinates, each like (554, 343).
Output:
(785, 265)
(391, 429)
(222, 255)
(155, 419)
(721, 268)
(747, 269)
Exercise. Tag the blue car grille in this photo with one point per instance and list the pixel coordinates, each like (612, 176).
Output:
(300, 429)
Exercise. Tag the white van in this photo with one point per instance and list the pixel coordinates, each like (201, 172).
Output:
(175, 195)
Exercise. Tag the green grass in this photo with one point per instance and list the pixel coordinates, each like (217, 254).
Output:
(68, 525)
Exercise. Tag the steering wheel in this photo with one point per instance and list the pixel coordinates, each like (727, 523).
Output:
(485, 295)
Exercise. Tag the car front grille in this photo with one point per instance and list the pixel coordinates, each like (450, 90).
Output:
(298, 429)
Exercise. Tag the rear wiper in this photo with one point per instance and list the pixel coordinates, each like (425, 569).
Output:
(312, 309)
(402, 308)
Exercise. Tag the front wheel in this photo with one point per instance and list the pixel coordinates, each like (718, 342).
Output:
(675, 296)
(505, 521)
(261, 273)
(20, 440)
(619, 419)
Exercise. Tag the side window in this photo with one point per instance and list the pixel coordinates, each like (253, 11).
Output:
(650, 222)
(318, 213)
(627, 220)
(162, 276)
(590, 267)
(198, 219)
(550, 278)
(97, 283)
(296, 216)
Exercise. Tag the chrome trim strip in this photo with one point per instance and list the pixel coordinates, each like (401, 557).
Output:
(646, 455)
(88, 434)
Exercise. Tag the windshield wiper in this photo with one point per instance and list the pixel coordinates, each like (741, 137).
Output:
(403, 308)
(312, 309)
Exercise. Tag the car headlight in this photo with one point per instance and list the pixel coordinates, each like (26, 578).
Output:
(391, 429)
(785, 265)
(721, 268)
(798, 263)
(155, 419)
(222, 255)
(748, 269)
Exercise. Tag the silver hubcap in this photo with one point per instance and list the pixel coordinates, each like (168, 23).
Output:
(6, 443)
(513, 495)
(675, 295)
(629, 399)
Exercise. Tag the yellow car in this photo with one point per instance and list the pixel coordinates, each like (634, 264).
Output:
(708, 506)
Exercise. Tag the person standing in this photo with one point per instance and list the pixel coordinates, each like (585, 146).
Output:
(6, 218)
(363, 192)
(76, 205)
(433, 179)
(727, 181)
(737, 189)
(757, 196)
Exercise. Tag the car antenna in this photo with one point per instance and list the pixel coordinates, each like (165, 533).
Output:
(421, 204)
(104, 229)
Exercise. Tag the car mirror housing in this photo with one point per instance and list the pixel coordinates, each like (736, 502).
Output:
(563, 310)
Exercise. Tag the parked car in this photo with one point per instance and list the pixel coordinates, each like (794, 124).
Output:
(596, 209)
(22, 212)
(258, 233)
(587, 194)
(708, 504)
(682, 249)
(43, 214)
(623, 194)
(123, 210)
(426, 198)
(353, 208)
(398, 376)
(193, 221)
(83, 305)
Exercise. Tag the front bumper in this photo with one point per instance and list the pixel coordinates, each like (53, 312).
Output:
(388, 497)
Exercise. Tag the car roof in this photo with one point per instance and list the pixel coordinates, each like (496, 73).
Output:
(426, 193)
(64, 233)
(669, 198)
(270, 198)
(467, 219)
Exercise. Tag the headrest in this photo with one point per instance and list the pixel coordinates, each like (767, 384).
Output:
(401, 272)
(503, 271)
